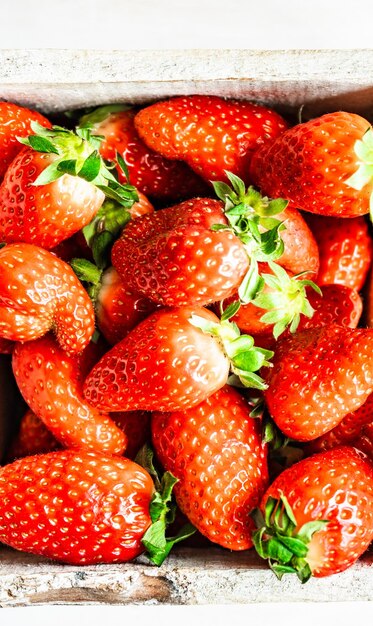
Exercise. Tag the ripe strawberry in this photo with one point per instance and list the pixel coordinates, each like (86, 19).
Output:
(51, 384)
(337, 305)
(317, 516)
(211, 134)
(77, 507)
(318, 376)
(6, 346)
(136, 427)
(345, 248)
(15, 121)
(52, 189)
(33, 437)
(322, 166)
(171, 361)
(149, 172)
(174, 257)
(216, 452)
(365, 441)
(39, 292)
(347, 431)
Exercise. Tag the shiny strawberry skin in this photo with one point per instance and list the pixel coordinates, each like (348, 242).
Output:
(15, 121)
(33, 437)
(163, 364)
(174, 258)
(300, 253)
(216, 452)
(347, 431)
(151, 173)
(48, 214)
(318, 377)
(118, 309)
(310, 163)
(39, 292)
(77, 507)
(337, 486)
(51, 384)
(345, 248)
(209, 133)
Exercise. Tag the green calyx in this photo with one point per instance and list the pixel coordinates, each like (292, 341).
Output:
(364, 174)
(77, 154)
(286, 301)
(245, 358)
(162, 512)
(278, 540)
(89, 273)
(104, 229)
(96, 116)
(251, 217)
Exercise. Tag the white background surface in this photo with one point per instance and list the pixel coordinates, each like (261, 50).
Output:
(131, 24)
(138, 24)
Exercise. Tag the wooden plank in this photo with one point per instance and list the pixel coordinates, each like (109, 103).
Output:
(189, 576)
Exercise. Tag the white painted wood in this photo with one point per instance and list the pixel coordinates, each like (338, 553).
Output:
(55, 80)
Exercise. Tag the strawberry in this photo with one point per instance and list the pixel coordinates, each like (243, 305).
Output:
(149, 172)
(216, 452)
(171, 361)
(39, 292)
(317, 516)
(364, 441)
(33, 437)
(209, 133)
(51, 384)
(174, 258)
(75, 506)
(319, 376)
(322, 166)
(347, 431)
(136, 427)
(345, 249)
(337, 305)
(15, 121)
(54, 187)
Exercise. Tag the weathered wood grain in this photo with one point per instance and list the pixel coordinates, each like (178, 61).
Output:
(189, 576)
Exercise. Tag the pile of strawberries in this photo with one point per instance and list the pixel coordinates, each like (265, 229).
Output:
(180, 294)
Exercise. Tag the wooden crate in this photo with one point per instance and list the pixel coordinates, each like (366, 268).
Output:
(56, 80)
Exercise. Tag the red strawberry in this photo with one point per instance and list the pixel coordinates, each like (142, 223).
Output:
(136, 427)
(15, 121)
(78, 507)
(317, 516)
(174, 257)
(347, 431)
(216, 452)
(322, 166)
(211, 134)
(318, 376)
(345, 248)
(168, 363)
(6, 346)
(39, 292)
(119, 310)
(33, 437)
(51, 384)
(365, 441)
(51, 189)
(149, 172)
